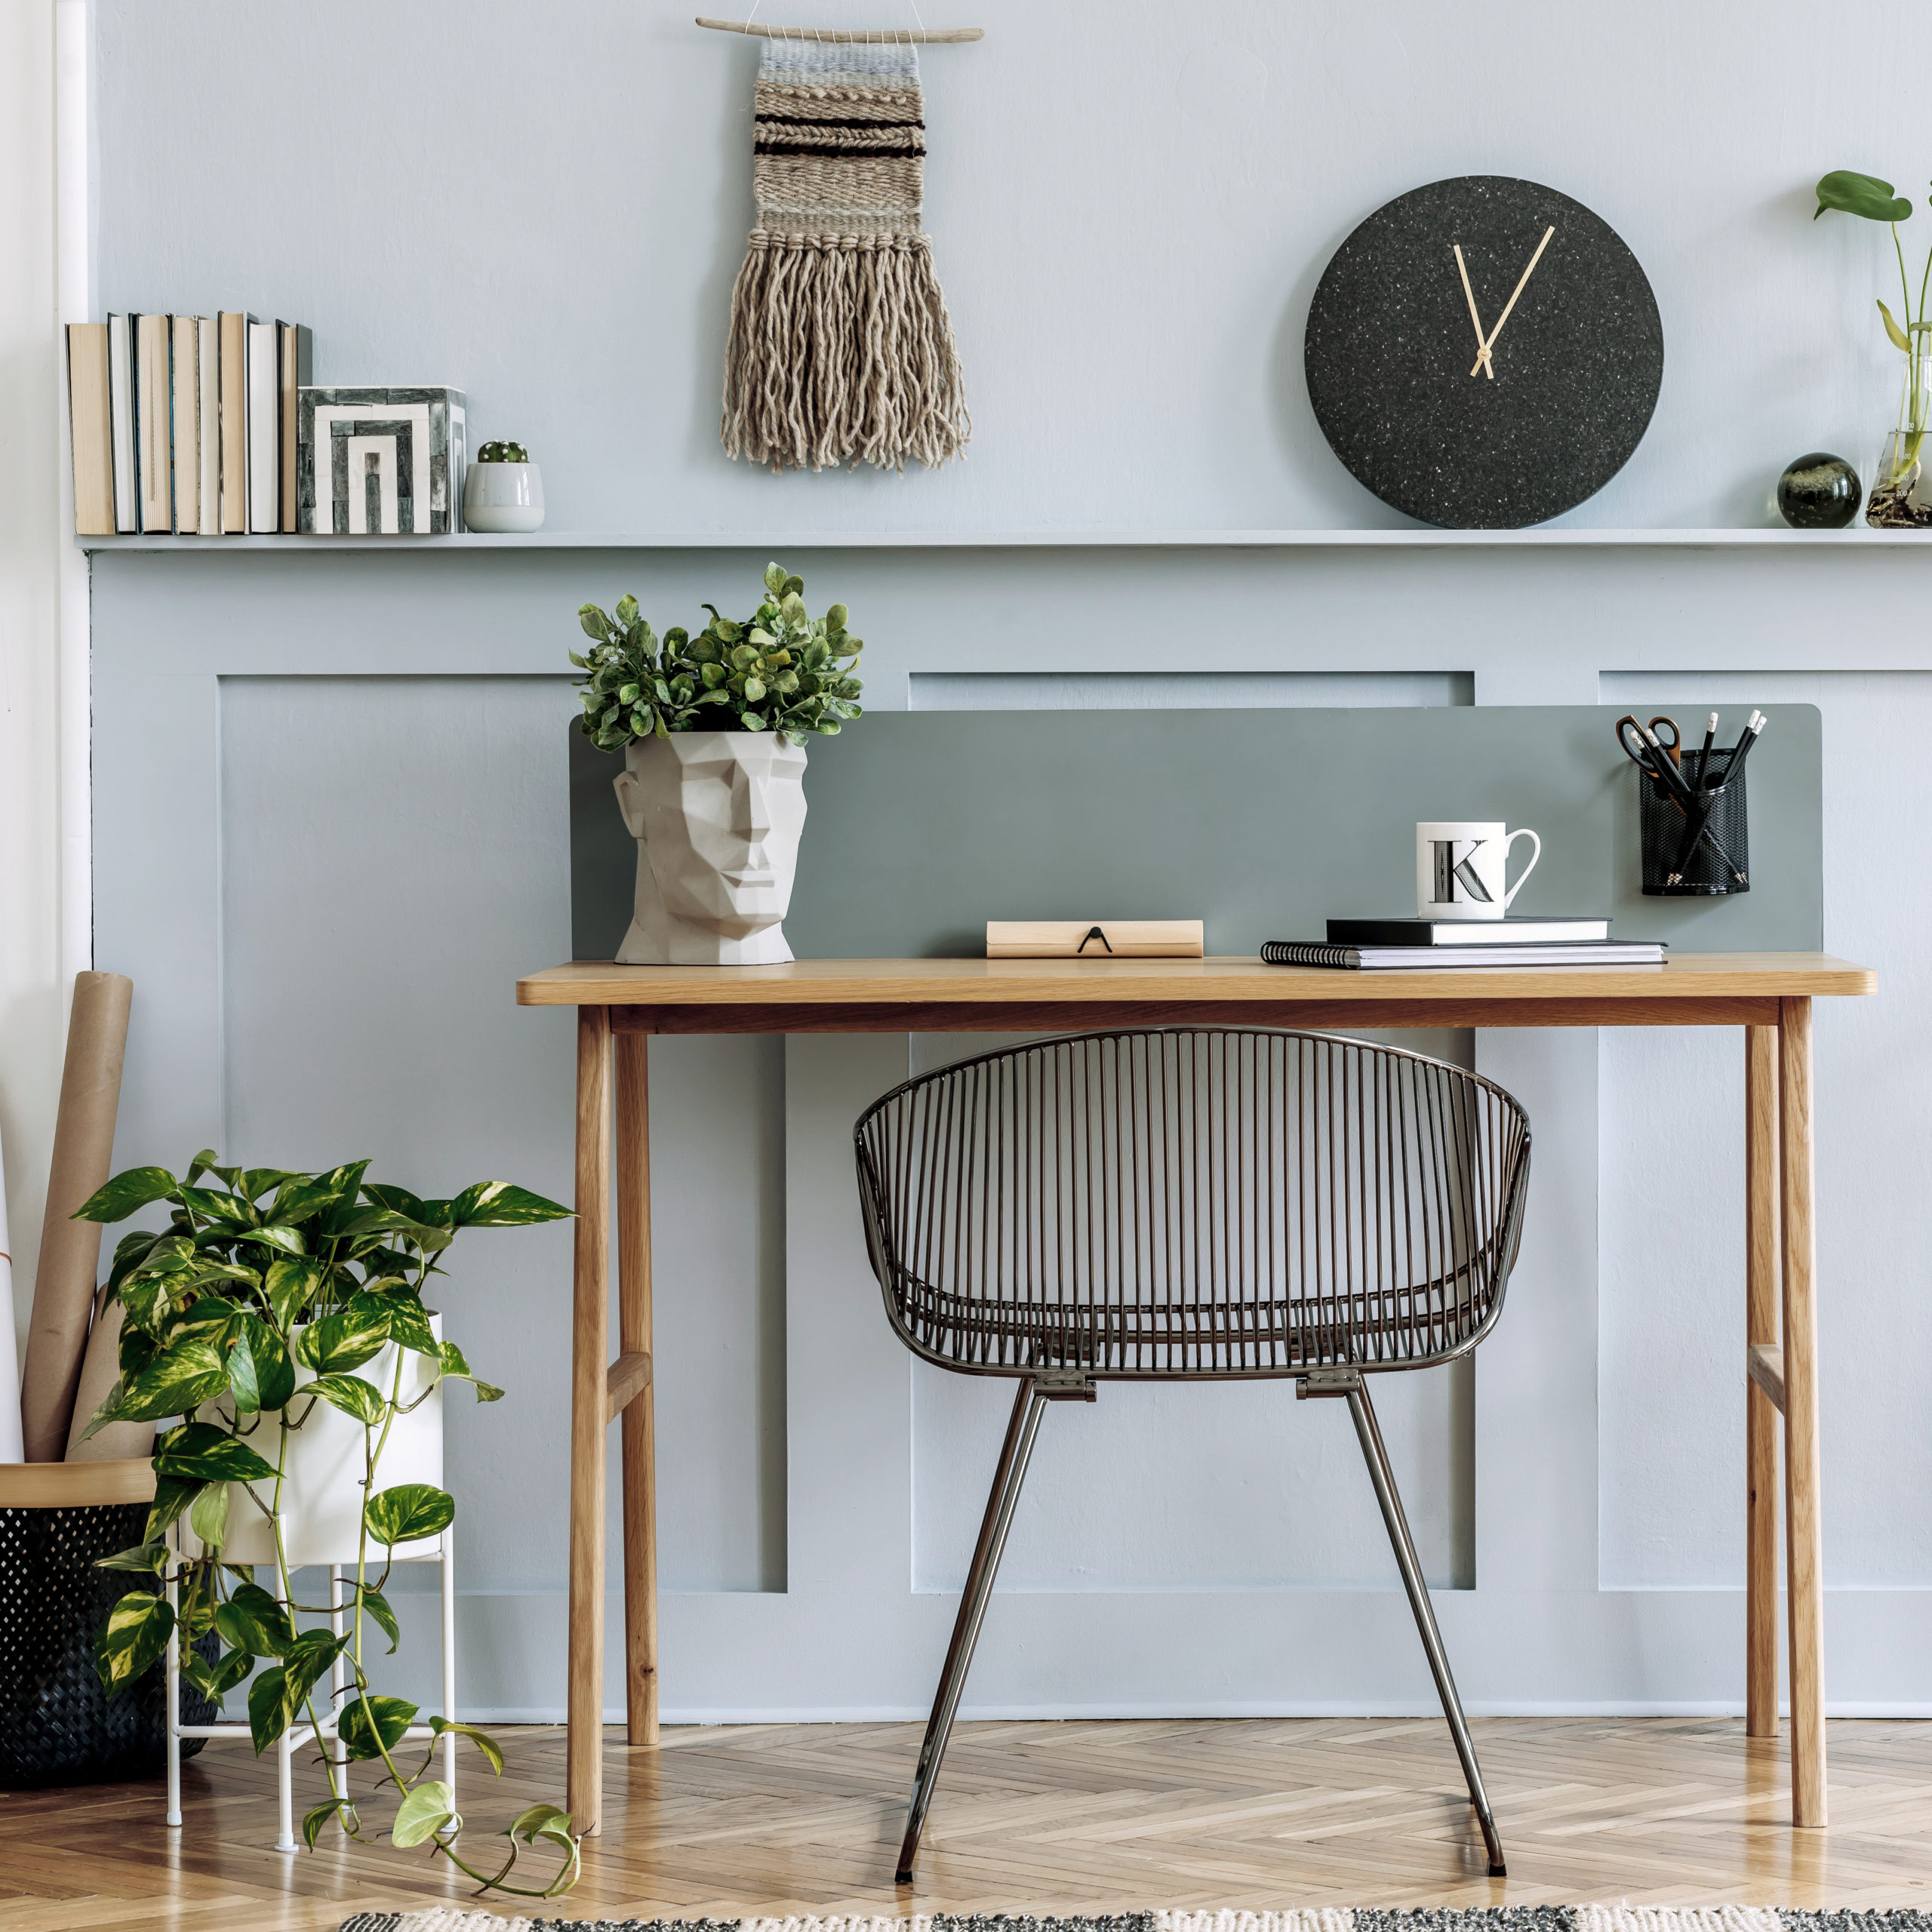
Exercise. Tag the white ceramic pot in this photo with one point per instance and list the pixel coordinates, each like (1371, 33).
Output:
(502, 497)
(322, 1491)
(717, 816)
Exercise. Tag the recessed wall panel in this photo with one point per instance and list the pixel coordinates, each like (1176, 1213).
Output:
(1671, 1247)
(394, 853)
(1197, 1486)
(1181, 690)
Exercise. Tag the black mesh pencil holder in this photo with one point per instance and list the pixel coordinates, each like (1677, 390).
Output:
(58, 1725)
(1719, 862)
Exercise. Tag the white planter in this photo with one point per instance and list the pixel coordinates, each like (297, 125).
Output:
(502, 497)
(322, 1491)
(717, 816)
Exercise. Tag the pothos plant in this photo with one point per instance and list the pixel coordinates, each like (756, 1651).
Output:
(777, 670)
(259, 1302)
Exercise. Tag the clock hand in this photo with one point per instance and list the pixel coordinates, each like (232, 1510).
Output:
(1482, 348)
(1511, 302)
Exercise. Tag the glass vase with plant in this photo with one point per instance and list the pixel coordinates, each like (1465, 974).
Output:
(252, 1312)
(1901, 497)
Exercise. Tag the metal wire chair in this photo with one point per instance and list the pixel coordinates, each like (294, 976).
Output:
(1199, 1204)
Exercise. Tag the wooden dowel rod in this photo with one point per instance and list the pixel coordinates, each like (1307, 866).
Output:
(864, 36)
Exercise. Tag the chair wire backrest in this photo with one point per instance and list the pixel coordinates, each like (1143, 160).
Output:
(1193, 1202)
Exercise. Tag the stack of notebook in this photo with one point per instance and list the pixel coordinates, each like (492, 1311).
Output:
(1434, 944)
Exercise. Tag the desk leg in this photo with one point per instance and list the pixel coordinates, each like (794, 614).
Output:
(590, 1348)
(1805, 1582)
(1761, 1327)
(634, 1338)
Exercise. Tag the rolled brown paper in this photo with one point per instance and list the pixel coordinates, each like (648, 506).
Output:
(100, 1369)
(64, 1287)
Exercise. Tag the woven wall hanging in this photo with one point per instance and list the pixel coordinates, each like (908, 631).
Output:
(841, 349)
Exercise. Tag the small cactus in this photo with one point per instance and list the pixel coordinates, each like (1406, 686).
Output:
(503, 453)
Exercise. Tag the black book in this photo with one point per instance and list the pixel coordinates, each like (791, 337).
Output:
(1469, 932)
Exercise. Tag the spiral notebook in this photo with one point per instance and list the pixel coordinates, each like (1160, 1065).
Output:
(1367, 958)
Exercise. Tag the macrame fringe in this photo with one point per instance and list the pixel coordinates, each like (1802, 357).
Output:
(841, 352)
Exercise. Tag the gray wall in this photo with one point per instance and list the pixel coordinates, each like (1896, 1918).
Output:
(329, 840)
(331, 814)
(1130, 201)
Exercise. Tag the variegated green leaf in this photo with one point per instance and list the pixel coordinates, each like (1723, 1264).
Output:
(131, 1640)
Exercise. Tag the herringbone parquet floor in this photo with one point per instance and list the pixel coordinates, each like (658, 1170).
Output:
(1083, 1817)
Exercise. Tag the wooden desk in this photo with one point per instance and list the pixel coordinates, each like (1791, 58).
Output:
(1769, 994)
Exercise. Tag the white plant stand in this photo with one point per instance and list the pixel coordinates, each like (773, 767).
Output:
(298, 1735)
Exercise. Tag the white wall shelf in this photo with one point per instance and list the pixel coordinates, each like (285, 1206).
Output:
(1061, 540)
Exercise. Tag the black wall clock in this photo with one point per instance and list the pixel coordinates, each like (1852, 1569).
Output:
(1483, 353)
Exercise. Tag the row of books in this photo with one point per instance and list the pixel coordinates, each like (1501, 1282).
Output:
(1424, 945)
(185, 425)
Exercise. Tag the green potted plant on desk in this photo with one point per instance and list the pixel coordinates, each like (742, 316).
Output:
(282, 1316)
(713, 730)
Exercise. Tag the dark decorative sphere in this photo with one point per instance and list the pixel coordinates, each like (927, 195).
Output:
(1820, 492)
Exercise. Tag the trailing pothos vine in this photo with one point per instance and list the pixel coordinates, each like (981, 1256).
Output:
(263, 1298)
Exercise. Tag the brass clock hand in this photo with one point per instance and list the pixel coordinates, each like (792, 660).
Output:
(1482, 347)
(1483, 356)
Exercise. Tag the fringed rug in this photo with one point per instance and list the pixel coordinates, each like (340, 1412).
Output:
(1510, 1918)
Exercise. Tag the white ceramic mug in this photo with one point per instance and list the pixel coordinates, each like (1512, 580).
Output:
(1459, 866)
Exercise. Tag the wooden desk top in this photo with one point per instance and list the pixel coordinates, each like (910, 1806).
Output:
(1696, 989)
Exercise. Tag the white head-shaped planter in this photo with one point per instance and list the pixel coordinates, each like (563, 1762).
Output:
(717, 816)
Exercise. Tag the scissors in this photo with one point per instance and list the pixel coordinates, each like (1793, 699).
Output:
(1670, 738)
(1637, 748)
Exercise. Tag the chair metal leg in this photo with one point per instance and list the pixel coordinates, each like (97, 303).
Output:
(1017, 1451)
(1376, 1456)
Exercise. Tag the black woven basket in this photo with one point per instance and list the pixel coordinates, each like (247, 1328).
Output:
(58, 1725)
(1705, 875)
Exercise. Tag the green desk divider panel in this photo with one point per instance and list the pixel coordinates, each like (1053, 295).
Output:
(922, 826)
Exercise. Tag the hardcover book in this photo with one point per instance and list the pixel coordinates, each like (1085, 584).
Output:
(295, 344)
(1466, 932)
(120, 393)
(264, 438)
(187, 419)
(234, 422)
(207, 425)
(89, 414)
(154, 454)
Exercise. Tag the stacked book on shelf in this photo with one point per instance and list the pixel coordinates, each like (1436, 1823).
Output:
(185, 425)
(1432, 945)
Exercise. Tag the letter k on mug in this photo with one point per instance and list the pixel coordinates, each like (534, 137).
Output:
(1460, 868)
